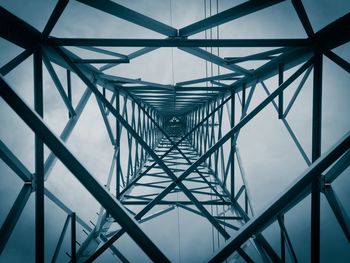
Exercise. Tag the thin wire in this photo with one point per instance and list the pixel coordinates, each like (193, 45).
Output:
(218, 34)
(211, 48)
(172, 56)
(206, 48)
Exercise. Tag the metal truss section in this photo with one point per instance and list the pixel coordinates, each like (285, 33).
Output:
(175, 147)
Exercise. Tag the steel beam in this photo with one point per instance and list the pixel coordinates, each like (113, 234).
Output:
(177, 42)
(17, 31)
(338, 210)
(60, 240)
(316, 152)
(299, 8)
(58, 85)
(39, 161)
(13, 216)
(14, 163)
(80, 172)
(218, 77)
(51, 159)
(201, 53)
(228, 135)
(131, 16)
(144, 145)
(8, 67)
(233, 147)
(338, 60)
(238, 11)
(55, 15)
(102, 61)
(73, 238)
(285, 202)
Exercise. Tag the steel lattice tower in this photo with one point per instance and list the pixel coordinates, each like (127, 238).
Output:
(174, 146)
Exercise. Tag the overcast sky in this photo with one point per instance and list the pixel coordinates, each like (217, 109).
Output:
(271, 160)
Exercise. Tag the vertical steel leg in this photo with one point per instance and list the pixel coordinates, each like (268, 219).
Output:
(73, 238)
(316, 152)
(280, 97)
(117, 145)
(69, 89)
(232, 123)
(39, 161)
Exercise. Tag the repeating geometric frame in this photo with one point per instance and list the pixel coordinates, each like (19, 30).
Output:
(175, 134)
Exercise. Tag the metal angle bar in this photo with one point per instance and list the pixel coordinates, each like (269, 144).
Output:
(132, 55)
(299, 8)
(289, 59)
(55, 15)
(221, 85)
(115, 250)
(280, 221)
(231, 158)
(158, 213)
(58, 84)
(255, 56)
(163, 202)
(101, 61)
(177, 42)
(60, 240)
(39, 159)
(218, 77)
(231, 133)
(9, 66)
(296, 93)
(289, 129)
(13, 216)
(338, 60)
(128, 80)
(112, 205)
(198, 213)
(141, 52)
(69, 88)
(73, 238)
(282, 203)
(184, 137)
(337, 168)
(244, 255)
(104, 51)
(215, 59)
(338, 210)
(235, 12)
(14, 163)
(265, 249)
(50, 161)
(61, 205)
(316, 153)
(106, 121)
(105, 246)
(247, 192)
(280, 97)
(17, 31)
(143, 144)
(131, 16)
(334, 34)
(174, 146)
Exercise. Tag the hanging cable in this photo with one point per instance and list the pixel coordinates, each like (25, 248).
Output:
(172, 57)
(206, 48)
(211, 37)
(217, 37)
(218, 34)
